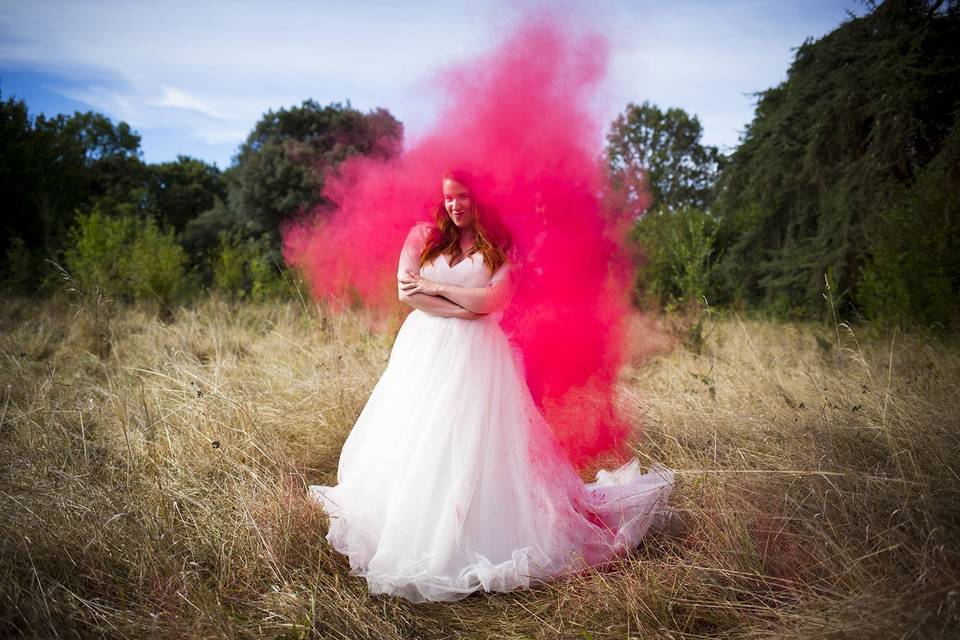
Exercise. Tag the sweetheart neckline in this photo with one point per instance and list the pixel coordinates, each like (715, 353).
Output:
(454, 266)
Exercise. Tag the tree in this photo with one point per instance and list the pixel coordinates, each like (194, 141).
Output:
(662, 175)
(834, 150)
(178, 192)
(280, 168)
(17, 168)
(661, 151)
(52, 167)
(106, 156)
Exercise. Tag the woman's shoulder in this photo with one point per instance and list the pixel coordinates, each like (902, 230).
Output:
(504, 270)
(421, 228)
(419, 232)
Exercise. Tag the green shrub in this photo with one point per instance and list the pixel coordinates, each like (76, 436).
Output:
(156, 265)
(266, 275)
(229, 266)
(247, 268)
(905, 279)
(678, 247)
(23, 268)
(97, 252)
(126, 258)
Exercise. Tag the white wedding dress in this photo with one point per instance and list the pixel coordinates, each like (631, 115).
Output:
(452, 482)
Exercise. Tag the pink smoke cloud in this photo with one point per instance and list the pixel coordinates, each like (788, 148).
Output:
(519, 119)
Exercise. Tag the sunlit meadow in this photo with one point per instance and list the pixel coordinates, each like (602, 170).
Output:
(154, 469)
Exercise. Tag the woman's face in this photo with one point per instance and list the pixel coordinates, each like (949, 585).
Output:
(458, 203)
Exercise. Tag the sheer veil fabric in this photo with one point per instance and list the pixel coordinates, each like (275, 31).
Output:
(451, 481)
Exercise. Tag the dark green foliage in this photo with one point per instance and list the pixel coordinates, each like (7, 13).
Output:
(101, 160)
(52, 167)
(17, 167)
(912, 271)
(828, 177)
(661, 152)
(23, 267)
(178, 192)
(247, 269)
(280, 168)
(201, 235)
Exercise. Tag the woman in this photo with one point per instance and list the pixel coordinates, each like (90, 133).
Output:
(451, 481)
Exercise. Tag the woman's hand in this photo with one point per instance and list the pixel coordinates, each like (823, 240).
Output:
(412, 283)
(432, 301)
(470, 315)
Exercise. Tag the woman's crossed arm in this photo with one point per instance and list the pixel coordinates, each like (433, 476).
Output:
(479, 300)
(435, 305)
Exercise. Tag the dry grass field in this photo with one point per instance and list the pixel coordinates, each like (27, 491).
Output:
(153, 473)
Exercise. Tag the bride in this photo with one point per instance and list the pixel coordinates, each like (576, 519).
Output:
(451, 481)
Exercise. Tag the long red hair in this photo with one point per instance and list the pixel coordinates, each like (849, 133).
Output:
(492, 238)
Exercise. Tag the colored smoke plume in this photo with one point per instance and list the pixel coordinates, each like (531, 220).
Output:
(519, 120)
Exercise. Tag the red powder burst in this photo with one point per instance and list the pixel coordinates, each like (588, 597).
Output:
(518, 119)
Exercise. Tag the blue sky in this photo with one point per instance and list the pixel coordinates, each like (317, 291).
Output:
(194, 77)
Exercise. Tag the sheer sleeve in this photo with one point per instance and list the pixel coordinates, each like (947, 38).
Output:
(501, 273)
(510, 268)
(412, 246)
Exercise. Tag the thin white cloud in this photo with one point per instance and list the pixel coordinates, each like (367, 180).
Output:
(210, 69)
(179, 99)
(228, 61)
(709, 58)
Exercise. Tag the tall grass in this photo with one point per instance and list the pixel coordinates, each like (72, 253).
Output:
(157, 488)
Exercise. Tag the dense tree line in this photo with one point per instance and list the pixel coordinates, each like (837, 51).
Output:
(848, 177)
(849, 172)
(80, 180)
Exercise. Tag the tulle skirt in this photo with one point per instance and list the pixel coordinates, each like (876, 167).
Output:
(452, 482)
